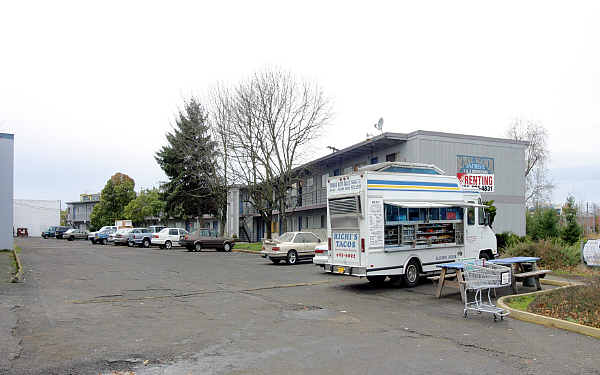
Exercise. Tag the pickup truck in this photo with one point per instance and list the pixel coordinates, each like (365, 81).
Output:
(51, 232)
(143, 236)
(94, 238)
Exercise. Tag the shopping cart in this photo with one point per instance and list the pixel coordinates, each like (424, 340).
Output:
(480, 275)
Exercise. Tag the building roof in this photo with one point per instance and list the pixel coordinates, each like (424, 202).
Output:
(80, 202)
(387, 139)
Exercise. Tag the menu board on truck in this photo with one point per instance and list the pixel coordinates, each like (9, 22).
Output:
(376, 223)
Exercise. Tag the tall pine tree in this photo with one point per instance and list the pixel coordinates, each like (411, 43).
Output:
(572, 231)
(188, 160)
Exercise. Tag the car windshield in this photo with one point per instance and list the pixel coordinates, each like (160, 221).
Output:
(286, 237)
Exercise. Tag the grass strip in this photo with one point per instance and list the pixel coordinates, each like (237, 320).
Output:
(252, 246)
(521, 302)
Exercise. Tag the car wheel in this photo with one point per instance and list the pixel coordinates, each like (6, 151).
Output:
(130, 244)
(292, 257)
(168, 245)
(103, 241)
(146, 242)
(227, 247)
(70, 238)
(44, 236)
(484, 255)
(197, 246)
(276, 261)
(377, 280)
(411, 274)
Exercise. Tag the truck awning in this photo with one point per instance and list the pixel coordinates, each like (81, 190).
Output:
(432, 204)
(418, 204)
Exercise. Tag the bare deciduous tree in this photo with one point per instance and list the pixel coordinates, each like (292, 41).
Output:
(272, 118)
(537, 182)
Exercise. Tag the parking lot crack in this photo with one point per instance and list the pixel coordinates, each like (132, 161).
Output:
(416, 333)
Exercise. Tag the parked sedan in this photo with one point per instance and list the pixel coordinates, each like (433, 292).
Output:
(291, 246)
(168, 237)
(321, 255)
(201, 239)
(60, 231)
(75, 234)
(121, 237)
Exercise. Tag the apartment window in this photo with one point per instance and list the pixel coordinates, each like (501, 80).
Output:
(324, 181)
(336, 172)
(374, 160)
(390, 157)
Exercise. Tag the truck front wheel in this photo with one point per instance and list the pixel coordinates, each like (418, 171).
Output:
(411, 274)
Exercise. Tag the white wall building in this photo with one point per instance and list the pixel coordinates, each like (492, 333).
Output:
(36, 215)
(7, 157)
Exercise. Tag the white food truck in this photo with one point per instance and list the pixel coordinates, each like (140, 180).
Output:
(399, 220)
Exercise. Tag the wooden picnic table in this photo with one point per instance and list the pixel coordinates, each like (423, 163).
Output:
(518, 273)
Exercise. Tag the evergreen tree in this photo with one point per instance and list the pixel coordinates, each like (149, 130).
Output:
(572, 231)
(188, 160)
(116, 194)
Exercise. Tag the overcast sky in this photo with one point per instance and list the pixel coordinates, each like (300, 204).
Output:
(90, 88)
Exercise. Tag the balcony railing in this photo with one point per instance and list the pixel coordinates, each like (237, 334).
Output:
(308, 199)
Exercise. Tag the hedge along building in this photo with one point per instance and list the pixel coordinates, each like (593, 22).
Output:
(495, 165)
(7, 152)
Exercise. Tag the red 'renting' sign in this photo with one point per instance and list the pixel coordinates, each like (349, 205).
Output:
(483, 182)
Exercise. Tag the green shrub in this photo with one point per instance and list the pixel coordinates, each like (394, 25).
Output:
(553, 254)
(508, 239)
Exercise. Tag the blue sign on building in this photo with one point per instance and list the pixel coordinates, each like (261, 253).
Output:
(474, 164)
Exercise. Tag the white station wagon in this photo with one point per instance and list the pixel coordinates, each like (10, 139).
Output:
(291, 247)
(168, 237)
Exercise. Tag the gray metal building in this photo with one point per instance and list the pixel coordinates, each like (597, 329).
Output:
(500, 163)
(78, 213)
(7, 152)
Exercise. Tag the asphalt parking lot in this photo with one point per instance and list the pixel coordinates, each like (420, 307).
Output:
(90, 309)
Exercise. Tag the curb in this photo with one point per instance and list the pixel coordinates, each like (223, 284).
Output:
(19, 273)
(548, 321)
(245, 251)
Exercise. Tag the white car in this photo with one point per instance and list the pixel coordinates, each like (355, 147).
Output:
(291, 247)
(168, 237)
(321, 255)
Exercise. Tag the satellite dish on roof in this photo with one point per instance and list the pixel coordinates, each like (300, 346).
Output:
(379, 125)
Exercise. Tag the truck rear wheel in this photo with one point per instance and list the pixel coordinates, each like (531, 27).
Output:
(411, 274)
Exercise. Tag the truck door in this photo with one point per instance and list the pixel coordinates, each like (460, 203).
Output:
(472, 233)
